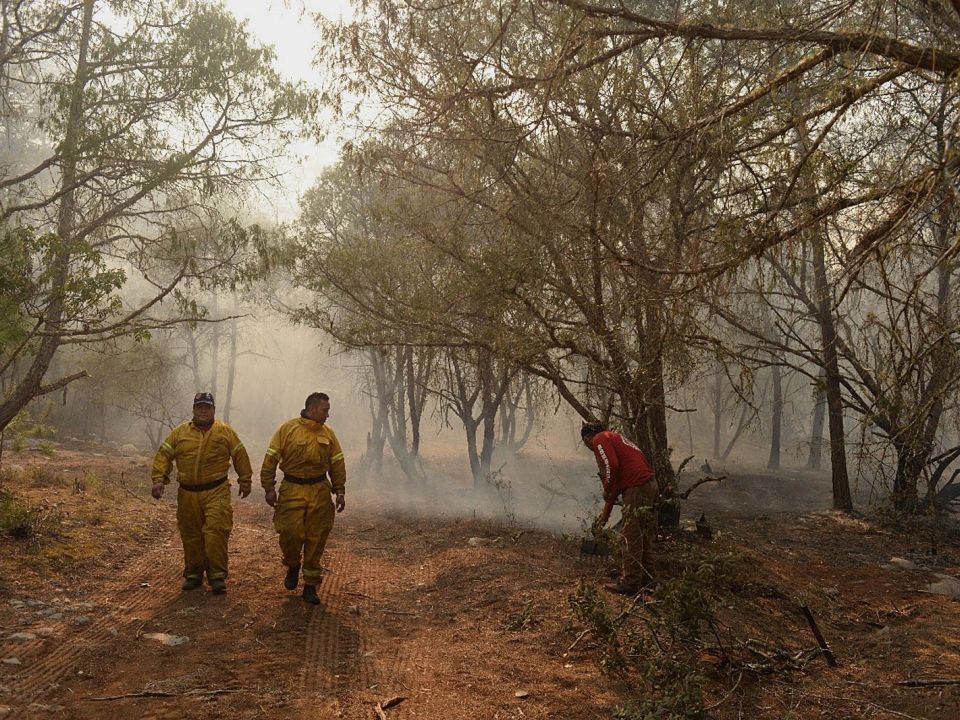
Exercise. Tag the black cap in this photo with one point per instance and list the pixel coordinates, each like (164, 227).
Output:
(590, 429)
(203, 399)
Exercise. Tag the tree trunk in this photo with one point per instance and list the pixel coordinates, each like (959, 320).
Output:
(195, 359)
(470, 429)
(488, 445)
(911, 460)
(816, 433)
(717, 413)
(773, 462)
(32, 383)
(231, 362)
(741, 426)
(215, 349)
(416, 410)
(842, 499)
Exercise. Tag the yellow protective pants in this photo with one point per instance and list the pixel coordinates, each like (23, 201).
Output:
(205, 520)
(304, 519)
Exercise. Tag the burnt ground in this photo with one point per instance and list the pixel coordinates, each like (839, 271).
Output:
(465, 618)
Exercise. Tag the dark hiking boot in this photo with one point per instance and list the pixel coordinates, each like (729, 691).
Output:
(292, 578)
(310, 594)
(191, 583)
(218, 585)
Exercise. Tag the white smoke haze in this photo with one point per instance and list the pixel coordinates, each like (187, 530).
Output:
(551, 483)
(139, 390)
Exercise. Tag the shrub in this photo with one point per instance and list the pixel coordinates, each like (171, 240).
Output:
(24, 522)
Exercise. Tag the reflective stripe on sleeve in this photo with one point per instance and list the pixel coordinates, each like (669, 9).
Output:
(167, 449)
(338, 456)
(238, 447)
(606, 463)
(272, 453)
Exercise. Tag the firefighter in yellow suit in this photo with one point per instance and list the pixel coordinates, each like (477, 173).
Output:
(202, 450)
(307, 450)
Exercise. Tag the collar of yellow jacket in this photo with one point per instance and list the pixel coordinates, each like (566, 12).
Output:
(311, 424)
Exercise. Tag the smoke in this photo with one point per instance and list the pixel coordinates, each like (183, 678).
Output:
(551, 483)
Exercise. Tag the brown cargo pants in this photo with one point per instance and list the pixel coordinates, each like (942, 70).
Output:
(637, 536)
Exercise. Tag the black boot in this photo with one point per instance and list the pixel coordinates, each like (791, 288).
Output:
(293, 576)
(191, 583)
(310, 594)
(218, 585)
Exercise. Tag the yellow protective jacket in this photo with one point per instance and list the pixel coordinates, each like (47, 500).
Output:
(304, 449)
(202, 457)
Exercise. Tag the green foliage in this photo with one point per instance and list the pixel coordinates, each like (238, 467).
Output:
(590, 609)
(678, 695)
(28, 283)
(23, 521)
(523, 619)
(663, 649)
(45, 476)
(689, 599)
(25, 427)
(173, 113)
(89, 481)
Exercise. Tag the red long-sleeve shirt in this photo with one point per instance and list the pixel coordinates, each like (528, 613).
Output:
(622, 464)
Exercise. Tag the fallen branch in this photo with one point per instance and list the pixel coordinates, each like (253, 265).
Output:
(858, 701)
(931, 682)
(686, 493)
(821, 641)
(123, 485)
(386, 705)
(159, 693)
(580, 637)
(726, 697)
(616, 620)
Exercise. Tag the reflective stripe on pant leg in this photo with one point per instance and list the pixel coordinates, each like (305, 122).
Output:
(288, 521)
(319, 522)
(190, 525)
(218, 522)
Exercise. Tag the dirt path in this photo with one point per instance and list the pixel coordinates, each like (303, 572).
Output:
(461, 618)
(400, 617)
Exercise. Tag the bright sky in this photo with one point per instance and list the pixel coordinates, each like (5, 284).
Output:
(288, 26)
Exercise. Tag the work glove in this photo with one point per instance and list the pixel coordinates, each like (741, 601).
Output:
(157, 490)
(271, 497)
(598, 525)
(244, 491)
(341, 502)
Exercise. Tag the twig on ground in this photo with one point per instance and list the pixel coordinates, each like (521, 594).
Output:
(617, 619)
(726, 697)
(124, 486)
(580, 637)
(358, 594)
(929, 682)
(159, 693)
(859, 701)
(821, 641)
